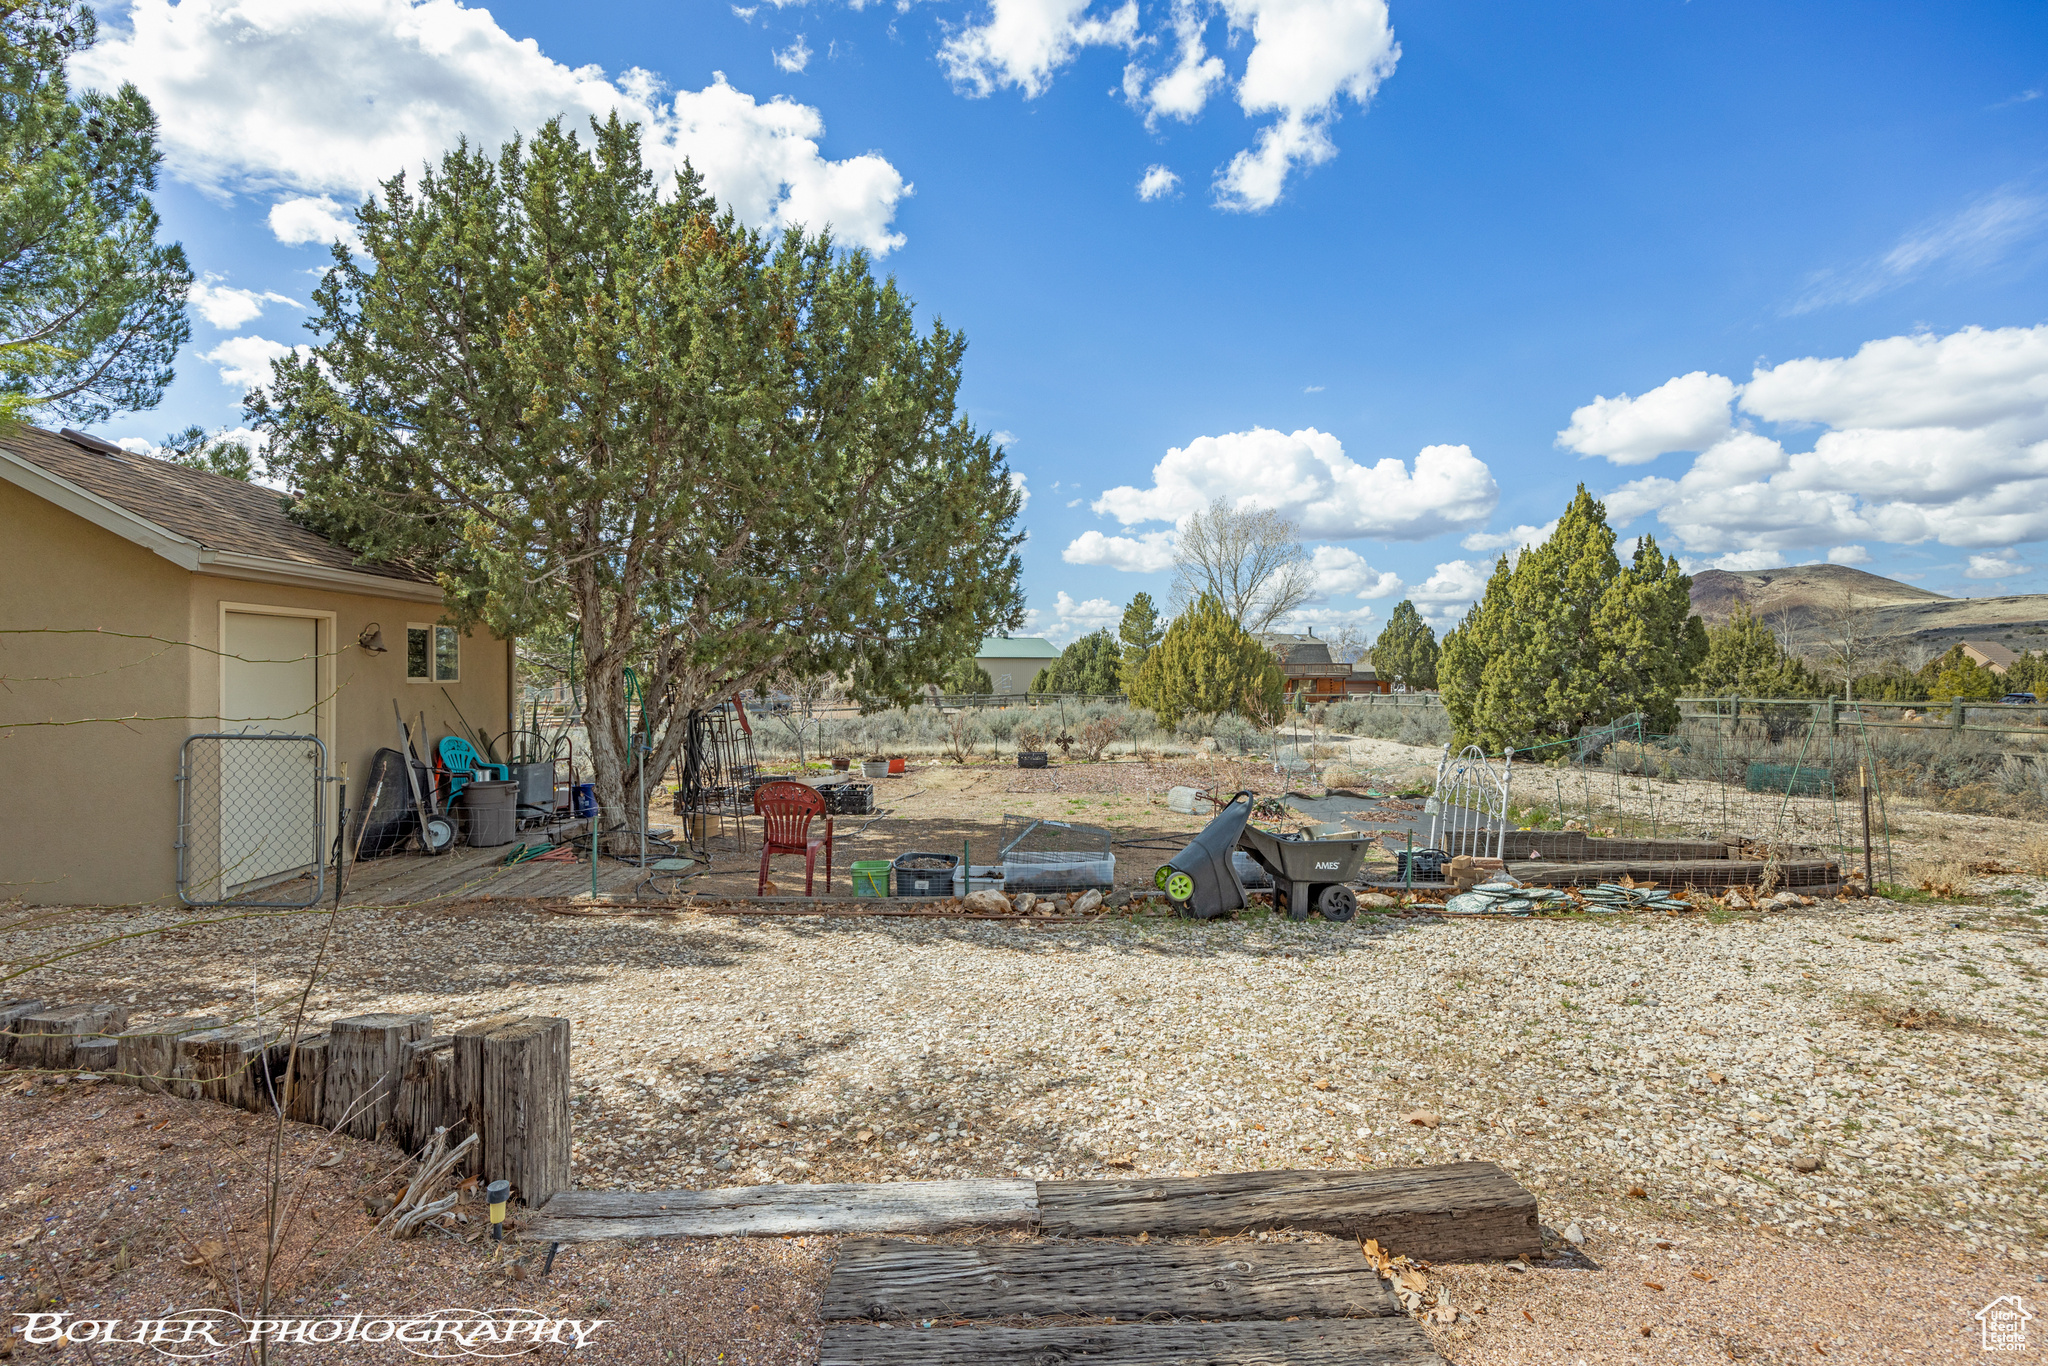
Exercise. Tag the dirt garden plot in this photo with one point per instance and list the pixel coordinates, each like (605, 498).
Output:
(1833, 1116)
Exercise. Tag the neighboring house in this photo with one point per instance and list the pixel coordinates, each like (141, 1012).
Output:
(235, 619)
(1992, 656)
(1012, 662)
(1312, 673)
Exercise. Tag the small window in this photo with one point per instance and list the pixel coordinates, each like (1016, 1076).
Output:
(433, 654)
(447, 654)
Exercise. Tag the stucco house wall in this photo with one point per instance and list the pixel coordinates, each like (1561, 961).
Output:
(89, 811)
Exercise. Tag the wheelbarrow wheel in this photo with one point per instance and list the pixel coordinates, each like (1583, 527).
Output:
(1337, 902)
(1160, 874)
(1178, 886)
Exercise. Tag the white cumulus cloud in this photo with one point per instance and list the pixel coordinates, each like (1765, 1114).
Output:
(313, 218)
(1306, 55)
(1023, 42)
(2003, 565)
(227, 307)
(1306, 476)
(1343, 573)
(1922, 437)
(244, 362)
(1157, 183)
(793, 58)
(1514, 538)
(1072, 619)
(1689, 413)
(319, 98)
(1017, 482)
(1146, 554)
(1181, 91)
(1848, 554)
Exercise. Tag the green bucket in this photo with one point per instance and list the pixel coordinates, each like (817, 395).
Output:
(871, 877)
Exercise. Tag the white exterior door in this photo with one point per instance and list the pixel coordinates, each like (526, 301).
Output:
(269, 685)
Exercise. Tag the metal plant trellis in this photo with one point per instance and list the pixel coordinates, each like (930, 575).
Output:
(252, 816)
(1470, 802)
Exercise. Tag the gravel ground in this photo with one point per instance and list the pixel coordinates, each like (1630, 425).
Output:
(1738, 1086)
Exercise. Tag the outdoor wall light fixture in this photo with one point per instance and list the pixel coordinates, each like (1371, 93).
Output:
(498, 1192)
(372, 639)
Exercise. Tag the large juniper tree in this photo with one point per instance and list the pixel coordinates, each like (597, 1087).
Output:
(1567, 637)
(92, 306)
(1406, 650)
(590, 400)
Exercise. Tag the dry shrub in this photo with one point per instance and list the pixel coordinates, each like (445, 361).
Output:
(1344, 775)
(1096, 736)
(2033, 855)
(1945, 877)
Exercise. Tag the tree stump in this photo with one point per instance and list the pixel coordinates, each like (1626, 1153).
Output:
(49, 1038)
(148, 1057)
(426, 1092)
(512, 1088)
(225, 1065)
(96, 1054)
(11, 1015)
(365, 1062)
(299, 1075)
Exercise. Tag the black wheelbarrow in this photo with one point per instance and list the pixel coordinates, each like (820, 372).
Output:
(1308, 875)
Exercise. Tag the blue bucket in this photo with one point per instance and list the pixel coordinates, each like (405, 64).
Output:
(583, 799)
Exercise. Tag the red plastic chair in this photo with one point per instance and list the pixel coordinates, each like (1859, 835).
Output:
(786, 810)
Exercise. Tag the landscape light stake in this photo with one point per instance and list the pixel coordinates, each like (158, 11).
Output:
(498, 1192)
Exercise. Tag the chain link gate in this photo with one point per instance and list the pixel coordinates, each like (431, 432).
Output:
(252, 816)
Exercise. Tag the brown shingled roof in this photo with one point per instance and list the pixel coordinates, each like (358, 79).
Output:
(219, 513)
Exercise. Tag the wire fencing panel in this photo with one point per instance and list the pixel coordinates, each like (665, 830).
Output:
(252, 820)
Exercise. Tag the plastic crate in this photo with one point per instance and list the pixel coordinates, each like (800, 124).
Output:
(932, 875)
(848, 799)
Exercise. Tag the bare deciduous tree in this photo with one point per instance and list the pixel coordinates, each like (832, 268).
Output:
(1851, 644)
(1248, 559)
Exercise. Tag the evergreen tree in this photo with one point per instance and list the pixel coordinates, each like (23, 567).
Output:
(1139, 631)
(969, 679)
(1955, 676)
(586, 397)
(1745, 658)
(1092, 664)
(92, 306)
(1566, 637)
(216, 454)
(1650, 641)
(1461, 661)
(2028, 673)
(1206, 662)
(1406, 651)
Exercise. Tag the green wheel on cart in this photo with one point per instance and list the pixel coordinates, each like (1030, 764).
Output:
(1179, 886)
(1159, 876)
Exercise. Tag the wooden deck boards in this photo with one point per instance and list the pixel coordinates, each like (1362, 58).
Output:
(1311, 1342)
(1459, 1211)
(887, 1207)
(878, 1278)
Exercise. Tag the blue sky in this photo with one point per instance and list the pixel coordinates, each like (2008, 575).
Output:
(1768, 276)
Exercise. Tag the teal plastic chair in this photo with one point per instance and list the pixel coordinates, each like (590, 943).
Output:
(459, 761)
